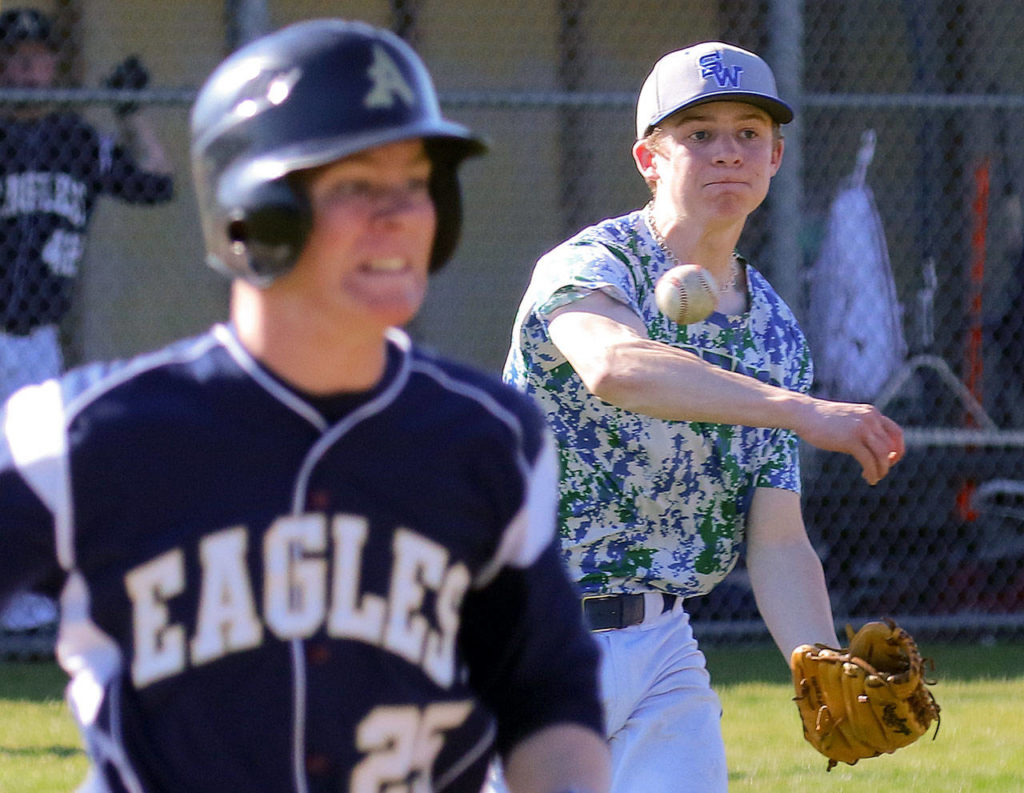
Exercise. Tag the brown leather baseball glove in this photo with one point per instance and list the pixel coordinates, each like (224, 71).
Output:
(864, 700)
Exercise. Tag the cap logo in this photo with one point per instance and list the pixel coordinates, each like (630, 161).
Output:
(726, 76)
(388, 83)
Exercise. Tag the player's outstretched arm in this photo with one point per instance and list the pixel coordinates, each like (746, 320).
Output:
(786, 574)
(558, 759)
(607, 345)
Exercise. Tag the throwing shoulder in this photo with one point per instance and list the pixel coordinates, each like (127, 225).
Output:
(615, 237)
(608, 256)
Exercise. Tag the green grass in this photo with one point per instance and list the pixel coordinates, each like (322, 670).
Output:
(979, 747)
(40, 750)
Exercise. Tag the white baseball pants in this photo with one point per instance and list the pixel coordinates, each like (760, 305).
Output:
(662, 718)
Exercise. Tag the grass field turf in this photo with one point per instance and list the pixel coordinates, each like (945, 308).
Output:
(979, 747)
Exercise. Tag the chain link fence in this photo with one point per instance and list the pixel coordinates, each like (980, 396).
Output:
(895, 229)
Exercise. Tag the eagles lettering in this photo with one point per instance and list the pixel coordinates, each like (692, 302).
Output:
(311, 568)
(42, 191)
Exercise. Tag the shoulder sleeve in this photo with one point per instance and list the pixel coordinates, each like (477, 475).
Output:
(578, 267)
(533, 526)
(34, 492)
(788, 355)
(530, 658)
(780, 463)
(789, 366)
(573, 270)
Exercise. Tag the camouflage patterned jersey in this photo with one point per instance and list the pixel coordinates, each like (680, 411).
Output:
(648, 504)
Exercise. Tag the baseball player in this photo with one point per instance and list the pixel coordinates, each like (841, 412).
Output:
(678, 443)
(53, 168)
(298, 553)
(53, 165)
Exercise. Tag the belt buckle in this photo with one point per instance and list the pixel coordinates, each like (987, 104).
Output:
(622, 611)
(596, 598)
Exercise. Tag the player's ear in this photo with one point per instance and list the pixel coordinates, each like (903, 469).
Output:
(643, 156)
(778, 146)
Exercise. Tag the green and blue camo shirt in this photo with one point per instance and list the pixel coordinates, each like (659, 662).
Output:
(648, 504)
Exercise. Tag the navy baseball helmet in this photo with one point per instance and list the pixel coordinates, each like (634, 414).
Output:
(304, 96)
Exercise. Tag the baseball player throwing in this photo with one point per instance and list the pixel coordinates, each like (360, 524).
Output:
(679, 442)
(298, 553)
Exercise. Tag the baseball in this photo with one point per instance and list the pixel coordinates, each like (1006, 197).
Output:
(687, 293)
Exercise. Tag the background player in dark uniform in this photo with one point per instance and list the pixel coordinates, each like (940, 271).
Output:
(299, 553)
(53, 165)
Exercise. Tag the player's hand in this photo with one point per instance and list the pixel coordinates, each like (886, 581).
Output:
(862, 431)
(130, 74)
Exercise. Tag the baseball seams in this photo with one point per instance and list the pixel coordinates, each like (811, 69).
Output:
(687, 293)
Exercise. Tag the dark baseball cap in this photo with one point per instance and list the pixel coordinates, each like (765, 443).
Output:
(25, 24)
(709, 72)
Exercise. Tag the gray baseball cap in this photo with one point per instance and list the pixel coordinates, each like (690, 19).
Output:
(709, 72)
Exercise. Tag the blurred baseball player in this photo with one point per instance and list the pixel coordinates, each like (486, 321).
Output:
(679, 443)
(298, 553)
(53, 167)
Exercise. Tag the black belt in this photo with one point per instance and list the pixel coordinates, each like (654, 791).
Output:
(609, 612)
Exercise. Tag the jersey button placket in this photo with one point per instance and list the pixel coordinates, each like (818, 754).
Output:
(318, 764)
(318, 653)
(318, 500)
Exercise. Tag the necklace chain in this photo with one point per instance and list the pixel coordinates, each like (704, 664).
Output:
(734, 267)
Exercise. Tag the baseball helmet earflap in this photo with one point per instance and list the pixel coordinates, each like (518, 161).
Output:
(267, 221)
(446, 193)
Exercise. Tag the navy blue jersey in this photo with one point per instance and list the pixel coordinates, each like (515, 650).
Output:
(51, 171)
(255, 596)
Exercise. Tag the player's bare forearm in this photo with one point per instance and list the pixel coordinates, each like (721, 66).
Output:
(661, 381)
(607, 345)
(560, 758)
(786, 574)
(141, 139)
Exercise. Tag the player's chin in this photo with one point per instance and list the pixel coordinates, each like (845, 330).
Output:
(396, 308)
(738, 198)
(397, 292)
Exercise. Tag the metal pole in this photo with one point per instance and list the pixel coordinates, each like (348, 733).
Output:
(786, 28)
(572, 120)
(246, 20)
(405, 16)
